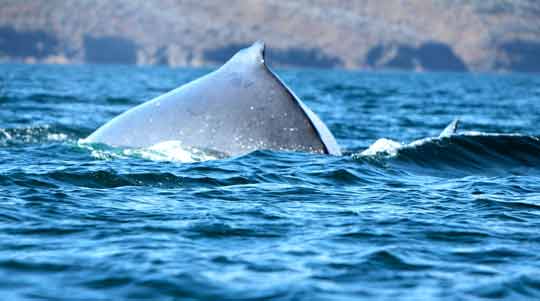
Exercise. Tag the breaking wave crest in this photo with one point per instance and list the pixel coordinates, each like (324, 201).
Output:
(34, 134)
(469, 151)
(172, 151)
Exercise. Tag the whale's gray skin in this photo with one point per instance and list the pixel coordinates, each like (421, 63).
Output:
(241, 107)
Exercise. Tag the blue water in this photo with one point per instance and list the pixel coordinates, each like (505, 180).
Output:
(455, 218)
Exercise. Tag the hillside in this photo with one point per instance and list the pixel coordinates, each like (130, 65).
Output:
(455, 35)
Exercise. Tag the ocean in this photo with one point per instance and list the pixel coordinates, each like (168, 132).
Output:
(403, 215)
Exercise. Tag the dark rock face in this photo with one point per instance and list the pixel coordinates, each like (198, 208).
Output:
(110, 50)
(374, 54)
(162, 57)
(406, 58)
(439, 56)
(432, 56)
(521, 56)
(294, 57)
(22, 44)
(300, 57)
(222, 54)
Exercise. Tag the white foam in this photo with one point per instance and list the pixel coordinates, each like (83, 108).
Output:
(475, 133)
(56, 137)
(390, 147)
(383, 146)
(6, 134)
(172, 151)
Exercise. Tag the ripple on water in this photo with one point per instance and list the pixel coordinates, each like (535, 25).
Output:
(417, 218)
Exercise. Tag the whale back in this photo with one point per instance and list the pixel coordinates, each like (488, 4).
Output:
(241, 107)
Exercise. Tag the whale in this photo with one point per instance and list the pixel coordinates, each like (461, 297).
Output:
(241, 107)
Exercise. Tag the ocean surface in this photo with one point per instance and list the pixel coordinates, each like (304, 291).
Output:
(402, 215)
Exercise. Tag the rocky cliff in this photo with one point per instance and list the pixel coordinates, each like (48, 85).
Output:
(453, 35)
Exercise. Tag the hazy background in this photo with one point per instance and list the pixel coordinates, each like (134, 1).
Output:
(439, 35)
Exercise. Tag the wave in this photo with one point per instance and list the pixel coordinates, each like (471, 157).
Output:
(164, 151)
(465, 152)
(172, 151)
(35, 134)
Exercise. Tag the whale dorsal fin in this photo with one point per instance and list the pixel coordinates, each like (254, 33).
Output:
(249, 57)
(255, 56)
(239, 108)
(450, 129)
